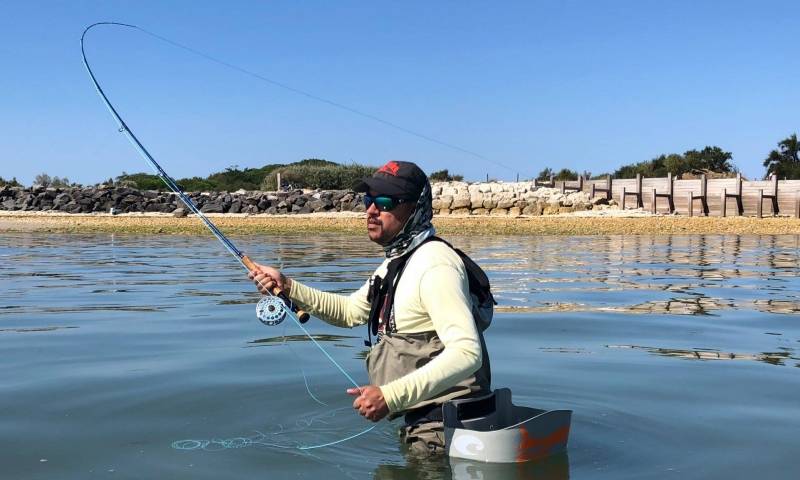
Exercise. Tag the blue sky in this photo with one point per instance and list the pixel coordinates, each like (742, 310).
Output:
(584, 85)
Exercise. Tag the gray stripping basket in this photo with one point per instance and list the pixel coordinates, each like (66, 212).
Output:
(503, 432)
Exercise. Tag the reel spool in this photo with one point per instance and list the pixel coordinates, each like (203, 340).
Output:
(271, 311)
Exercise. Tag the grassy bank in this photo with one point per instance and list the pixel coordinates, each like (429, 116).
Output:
(474, 225)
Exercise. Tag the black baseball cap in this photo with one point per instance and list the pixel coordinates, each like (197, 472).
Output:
(395, 179)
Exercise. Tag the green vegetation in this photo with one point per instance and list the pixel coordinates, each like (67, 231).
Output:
(11, 183)
(785, 161)
(314, 173)
(709, 159)
(563, 174)
(308, 173)
(444, 176)
(45, 180)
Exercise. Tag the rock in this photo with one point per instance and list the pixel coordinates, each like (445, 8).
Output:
(236, 207)
(499, 211)
(442, 202)
(514, 211)
(480, 211)
(476, 200)
(505, 201)
(461, 201)
(489, 202)
(460, 211)
(212, 207)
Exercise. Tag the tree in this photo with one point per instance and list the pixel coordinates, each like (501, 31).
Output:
(545, 174)
(60, 182)
(42, 179)
(444, 176)
(785, 161)
(709, 159)
(11, 183)
(566, 174)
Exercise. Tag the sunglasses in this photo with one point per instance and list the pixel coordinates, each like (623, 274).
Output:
(383, 203)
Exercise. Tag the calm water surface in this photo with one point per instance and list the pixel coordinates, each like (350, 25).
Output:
(141, 357)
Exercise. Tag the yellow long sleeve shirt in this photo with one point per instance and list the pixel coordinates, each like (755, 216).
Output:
(432, 295)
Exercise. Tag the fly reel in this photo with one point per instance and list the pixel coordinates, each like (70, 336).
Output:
(271, 311)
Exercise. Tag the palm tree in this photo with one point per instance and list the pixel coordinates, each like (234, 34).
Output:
(784, 162)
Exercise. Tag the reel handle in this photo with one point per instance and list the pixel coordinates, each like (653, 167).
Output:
(302, 315)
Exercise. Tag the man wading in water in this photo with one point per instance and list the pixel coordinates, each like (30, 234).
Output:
(428, 348)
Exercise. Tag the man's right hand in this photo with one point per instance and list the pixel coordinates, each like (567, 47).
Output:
(267, 278)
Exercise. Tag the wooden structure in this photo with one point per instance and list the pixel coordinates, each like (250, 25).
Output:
(697, 194)
(736, 195)
(772, 195)
(572, 188)
(637, 193)
(703, 197)
(606, 191)
(668, 194)
(549, 184)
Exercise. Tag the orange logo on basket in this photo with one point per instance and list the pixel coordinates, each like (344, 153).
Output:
(390, 168)
(533, 448)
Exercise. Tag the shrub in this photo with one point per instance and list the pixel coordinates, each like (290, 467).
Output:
(11, 183)
(444, 176)
(329, 176)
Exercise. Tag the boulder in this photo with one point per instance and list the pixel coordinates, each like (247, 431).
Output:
(461, 201)
(212, 207)
(442, 202)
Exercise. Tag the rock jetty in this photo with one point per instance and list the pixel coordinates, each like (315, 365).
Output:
(451, 198)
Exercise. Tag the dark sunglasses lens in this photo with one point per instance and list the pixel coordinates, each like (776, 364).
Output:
(383, 204)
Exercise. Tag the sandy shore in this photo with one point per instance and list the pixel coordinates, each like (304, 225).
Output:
(601, 223)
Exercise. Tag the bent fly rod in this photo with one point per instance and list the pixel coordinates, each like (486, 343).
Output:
(271, 310)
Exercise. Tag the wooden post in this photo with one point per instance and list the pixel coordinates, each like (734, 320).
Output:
(691, 207)
(797, 204)
(639, 192)
(653, 208)
(723, 208)
(739, 199)
(623, 198)
(592, 190)
(760, 202)
(670, 186)
(278, 189)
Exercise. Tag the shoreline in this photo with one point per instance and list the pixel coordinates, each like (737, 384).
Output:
(608, 222)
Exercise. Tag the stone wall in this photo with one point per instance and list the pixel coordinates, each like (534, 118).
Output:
(500, 198)
(448, 198)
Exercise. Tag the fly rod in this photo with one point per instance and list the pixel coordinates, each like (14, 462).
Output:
(270, 310)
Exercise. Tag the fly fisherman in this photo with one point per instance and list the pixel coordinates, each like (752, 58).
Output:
(427, 348)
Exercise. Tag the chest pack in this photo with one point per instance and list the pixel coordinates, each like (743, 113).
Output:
(382, 290)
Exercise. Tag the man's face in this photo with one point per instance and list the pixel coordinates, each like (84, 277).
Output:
(382, 227)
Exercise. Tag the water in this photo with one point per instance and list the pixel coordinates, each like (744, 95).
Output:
(679, 356)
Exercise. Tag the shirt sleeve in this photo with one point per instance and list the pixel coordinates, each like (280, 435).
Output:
(339, 310)
(444, 293)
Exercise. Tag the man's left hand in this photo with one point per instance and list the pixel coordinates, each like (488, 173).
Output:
(369, 402)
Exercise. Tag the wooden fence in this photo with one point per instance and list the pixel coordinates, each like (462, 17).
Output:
(741, 197)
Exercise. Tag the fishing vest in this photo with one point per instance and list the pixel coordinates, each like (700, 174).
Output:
(395, 355)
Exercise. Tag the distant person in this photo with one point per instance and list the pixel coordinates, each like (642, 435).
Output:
(427, 347)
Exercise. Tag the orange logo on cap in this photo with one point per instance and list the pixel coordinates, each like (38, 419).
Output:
(390, 168)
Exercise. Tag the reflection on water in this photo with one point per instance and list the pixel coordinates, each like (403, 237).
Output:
(772, 358)
(114, 347)
(686, 275)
